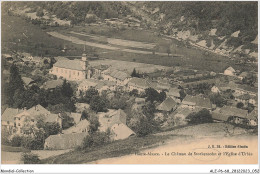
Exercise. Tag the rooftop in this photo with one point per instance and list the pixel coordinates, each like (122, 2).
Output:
(198, 101)
(121, 75)
(167, 105)
(51, 84)
(69, 64)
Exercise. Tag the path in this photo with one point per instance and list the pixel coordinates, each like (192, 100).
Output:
(103, 46)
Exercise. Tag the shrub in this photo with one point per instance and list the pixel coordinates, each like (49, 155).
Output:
(240, 105)
(30, 158)
(202, 116)
(96, 139)
(16, 141)
(32, 143)
(143, 127)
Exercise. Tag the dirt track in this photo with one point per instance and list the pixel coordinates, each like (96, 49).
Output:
(103, 46)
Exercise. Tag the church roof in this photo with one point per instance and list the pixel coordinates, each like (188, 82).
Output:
(69, 64)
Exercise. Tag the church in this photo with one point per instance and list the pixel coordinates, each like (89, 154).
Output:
(74, 70)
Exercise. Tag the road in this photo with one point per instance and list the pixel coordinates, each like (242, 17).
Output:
(104, 46)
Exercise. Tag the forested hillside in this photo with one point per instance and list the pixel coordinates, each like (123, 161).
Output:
(223, 27)
(201, 17)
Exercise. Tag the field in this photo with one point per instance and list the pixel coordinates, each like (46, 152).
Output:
(20, 35)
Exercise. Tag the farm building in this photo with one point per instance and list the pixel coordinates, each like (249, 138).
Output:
(193, 102)
(120, 77)
(121, 131)
(51, 84)
(167, 105)
(81, 126)
(64, 141)
(230, 114)
(230, 71)
(139, 84)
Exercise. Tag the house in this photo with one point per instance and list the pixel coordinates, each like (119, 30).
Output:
(51, 84)
(245, 89)
(230, 71)
(253, 100)
(27, 81)
(86, 84)
(175, 94)
(228, 113)
(253, 118)
(215, 89)
(192, 102)
(115, 121)
(243, 75)
(121, 131)
(243, 98)
(106, 85)
(179, 116)
(36, 60)
(168, 105)
(64, 141)
(80, 107)
(76, 116)
(162, 85)
(74, 70)
(28, 118)
(7, 57)
(120, 77)
(108, 119)
(140, 100)
(139, 84)
(81, 126)
(8, 118)
(98, 69)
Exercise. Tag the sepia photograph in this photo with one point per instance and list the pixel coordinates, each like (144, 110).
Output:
(129, 82)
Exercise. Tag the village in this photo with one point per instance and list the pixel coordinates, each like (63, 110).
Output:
(180, 93)
(66, 103)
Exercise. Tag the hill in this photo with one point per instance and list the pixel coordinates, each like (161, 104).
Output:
(232, 24)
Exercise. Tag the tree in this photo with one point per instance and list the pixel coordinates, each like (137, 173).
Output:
(66, 89)
(15, 83)
(90, 93)
(161, 96)
(30, 158)
(67, 121)
(182, 94)
(148, 110)
(240, 105)
(134, 92)
(94, 124)
(143, 127)
(250, 107)
(135, 74)
(98, 104)
(202, 116)
(151, 95)
(85, 115)
(218, 100)
(40, 13)
(168, 51)
(51, 128)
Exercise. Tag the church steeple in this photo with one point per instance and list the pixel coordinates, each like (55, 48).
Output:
(84, 59)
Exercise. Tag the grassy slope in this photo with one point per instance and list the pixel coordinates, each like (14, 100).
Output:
(115, 149)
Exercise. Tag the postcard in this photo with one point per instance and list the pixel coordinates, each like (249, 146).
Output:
(125, 82)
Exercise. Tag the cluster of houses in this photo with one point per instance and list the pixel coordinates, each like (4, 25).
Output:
(107, 78)
(22, 121)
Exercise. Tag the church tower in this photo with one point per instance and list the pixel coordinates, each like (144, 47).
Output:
(84, 60)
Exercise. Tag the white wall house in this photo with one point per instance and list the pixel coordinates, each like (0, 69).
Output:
(74, 70)
(120, 77)
(230, 71)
